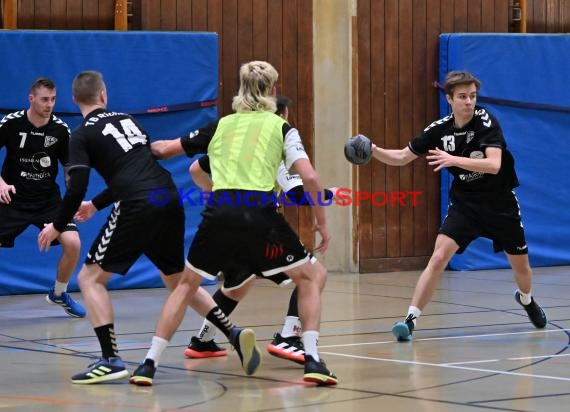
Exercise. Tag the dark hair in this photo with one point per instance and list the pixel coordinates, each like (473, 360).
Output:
(42, 82)
(459, 77)
(282, 103)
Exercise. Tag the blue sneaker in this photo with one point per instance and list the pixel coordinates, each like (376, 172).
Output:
(103, 370)
(402, 331)
(243, 341)
(71, 307)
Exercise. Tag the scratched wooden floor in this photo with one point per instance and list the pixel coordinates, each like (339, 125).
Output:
(474, 350)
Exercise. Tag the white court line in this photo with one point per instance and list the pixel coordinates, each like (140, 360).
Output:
(446, 338)
(561, 355)
(446, 366)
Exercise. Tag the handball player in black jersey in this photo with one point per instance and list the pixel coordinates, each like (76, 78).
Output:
(36, 141)
(118, 148)
(470, 144)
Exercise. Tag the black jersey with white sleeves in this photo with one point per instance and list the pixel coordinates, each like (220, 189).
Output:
(470, 141)
(118, 148)
(32, 156)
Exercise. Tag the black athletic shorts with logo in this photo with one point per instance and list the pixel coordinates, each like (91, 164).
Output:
(14, 220)
(136, 228)
(255, 239)
(492, 215)
(236, 277)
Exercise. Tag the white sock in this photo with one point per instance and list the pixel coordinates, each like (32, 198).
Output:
(208, 331)
(310, 342)
(525, 297)
(59, 288)
(415, 312)
(157, 346)
(291, 327)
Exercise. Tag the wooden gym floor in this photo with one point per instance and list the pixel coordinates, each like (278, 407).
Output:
(474, 350)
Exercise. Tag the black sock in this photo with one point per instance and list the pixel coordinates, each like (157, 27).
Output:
(227, 305)
(107, 340)
(293, 308)
(220, 320)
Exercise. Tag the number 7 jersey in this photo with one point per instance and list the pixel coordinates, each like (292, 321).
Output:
(32, 156)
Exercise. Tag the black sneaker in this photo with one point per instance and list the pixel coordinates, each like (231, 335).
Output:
(290, 348)
(243, 341)
(318, 373)
(403, 330)
(198, 349)
(103, 370)
(144, 373)
(535, 313)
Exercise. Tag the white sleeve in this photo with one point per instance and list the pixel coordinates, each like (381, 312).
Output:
(285, 180)
(293, 148)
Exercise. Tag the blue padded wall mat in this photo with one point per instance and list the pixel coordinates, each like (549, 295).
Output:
(525, 84)
(168, 80)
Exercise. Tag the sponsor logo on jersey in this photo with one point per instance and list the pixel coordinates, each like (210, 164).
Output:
(50, 140)
(35, 176)
(477, 154)
(36, 133)
(469, 177)
(38, 160)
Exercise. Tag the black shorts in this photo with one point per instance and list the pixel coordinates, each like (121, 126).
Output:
(136, 228)
(236, 278)
(257, 240)
(495, 216)
(13, 221)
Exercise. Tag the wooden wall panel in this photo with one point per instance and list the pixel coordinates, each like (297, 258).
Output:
(26, 14)
(260, 30)
(418, 115)
(42, 15)
(200, 11)
(548, 16)
(400, 63)
(368, 84)
(168, 15)
(406, 16)
(66, 14)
